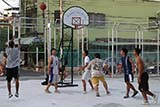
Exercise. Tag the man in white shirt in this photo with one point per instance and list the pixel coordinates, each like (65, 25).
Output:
(96, 66)
(87, 74)
(12, 64)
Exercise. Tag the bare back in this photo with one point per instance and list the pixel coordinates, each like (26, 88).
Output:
(140, 65)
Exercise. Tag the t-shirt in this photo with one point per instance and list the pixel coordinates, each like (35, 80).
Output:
(96, 67)
(55, 65)
(13, 57)
(86, 61)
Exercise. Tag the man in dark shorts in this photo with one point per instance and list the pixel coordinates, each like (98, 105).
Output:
(12, 65)
(143, 78)
(128, 69)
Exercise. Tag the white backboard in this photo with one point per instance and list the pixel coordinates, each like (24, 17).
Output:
(75, 17)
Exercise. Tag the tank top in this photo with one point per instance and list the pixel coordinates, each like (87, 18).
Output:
(55, 65)
(126, 65)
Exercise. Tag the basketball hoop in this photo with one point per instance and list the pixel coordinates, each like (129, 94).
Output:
(75, 17)
(76, 22)
(77, 26)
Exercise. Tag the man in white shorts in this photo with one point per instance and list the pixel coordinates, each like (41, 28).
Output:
(53, 71)
(87, 74)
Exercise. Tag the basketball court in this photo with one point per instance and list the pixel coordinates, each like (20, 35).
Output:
(32, 94)
(75, 19)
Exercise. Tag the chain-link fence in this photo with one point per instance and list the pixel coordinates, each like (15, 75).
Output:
(108, 40)
(38, 37)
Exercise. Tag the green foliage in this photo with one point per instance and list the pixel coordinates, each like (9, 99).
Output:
(40, 45)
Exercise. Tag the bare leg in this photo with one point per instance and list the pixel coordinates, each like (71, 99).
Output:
(84, 85)
(150, 93)
(129, 85)
(106, 87)
(56, 87)
(47, 88)
(144, 96)
(128, 89)
(97, 90)
(9, 87)
(91, 84)
(132, 87)
(17, 86)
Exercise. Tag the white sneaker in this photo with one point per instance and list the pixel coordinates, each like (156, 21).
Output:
(16, 95)
(146, 102)
(155, 98)
(10, 95)
(84, 92)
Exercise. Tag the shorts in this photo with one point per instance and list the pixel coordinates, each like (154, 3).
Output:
(53, 78)
(95, 80)
(144, 86)
(86, 75)
(128, 78)
(12, 73)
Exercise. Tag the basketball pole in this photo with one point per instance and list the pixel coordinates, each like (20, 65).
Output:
(82, 44)
(61, 23)
(74, 24)
(72, 57)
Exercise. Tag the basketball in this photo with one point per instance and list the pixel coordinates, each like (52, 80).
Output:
(1, 70)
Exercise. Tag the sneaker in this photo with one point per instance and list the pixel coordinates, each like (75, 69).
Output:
(97, 95)
(127, 96)
(155, 98)
(84, 92)
(16, 95)
(146, 102)
(10, 95)
(47, 91)
(108, 92)
(135, 93)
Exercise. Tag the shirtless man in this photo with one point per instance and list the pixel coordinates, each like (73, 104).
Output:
(143, 78)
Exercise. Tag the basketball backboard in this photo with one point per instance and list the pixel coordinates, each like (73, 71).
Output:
(75, 17)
